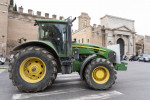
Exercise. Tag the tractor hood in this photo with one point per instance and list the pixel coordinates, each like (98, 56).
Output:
(88, 49)
(91, 47)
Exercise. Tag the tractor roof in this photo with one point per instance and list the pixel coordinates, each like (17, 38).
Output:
(50, 20)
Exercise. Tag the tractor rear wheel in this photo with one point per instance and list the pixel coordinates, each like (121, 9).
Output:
(32, 69)
(100, 74)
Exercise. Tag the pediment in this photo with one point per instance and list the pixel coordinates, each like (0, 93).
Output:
(123, 28)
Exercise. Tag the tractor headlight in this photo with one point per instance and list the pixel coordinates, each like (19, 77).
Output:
(112, 57)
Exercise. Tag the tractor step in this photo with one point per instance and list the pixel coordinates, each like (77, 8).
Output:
(66, 63)
(66, 67)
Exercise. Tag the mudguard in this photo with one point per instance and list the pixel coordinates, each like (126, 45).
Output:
(44, 45)
(89, 58)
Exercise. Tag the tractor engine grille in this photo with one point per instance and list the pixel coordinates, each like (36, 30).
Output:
(112, 57)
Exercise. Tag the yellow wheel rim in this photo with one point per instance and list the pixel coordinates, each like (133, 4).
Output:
(100, 75)
(32, 70)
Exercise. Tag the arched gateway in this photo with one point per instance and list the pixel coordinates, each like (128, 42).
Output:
(121, 42)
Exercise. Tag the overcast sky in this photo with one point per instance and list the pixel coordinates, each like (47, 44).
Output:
(138, 10)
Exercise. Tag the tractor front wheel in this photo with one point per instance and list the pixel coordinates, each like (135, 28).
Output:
(32, 69)
(100, 74)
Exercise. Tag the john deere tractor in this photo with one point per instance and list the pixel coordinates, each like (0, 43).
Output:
(36, 63)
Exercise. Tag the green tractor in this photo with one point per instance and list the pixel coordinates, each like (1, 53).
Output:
(36, 63)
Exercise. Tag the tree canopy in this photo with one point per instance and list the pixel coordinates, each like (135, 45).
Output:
(11, 2)
(15, 8)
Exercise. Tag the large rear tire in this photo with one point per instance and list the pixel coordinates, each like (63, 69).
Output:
(32, 69)
(100, 74)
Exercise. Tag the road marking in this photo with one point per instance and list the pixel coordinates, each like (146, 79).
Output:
(2, 70)
(68, 75)
(67, 83)
(100, 96)
(30, 95)
(68, 78)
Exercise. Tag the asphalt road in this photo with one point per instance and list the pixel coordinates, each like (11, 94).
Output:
(133, 84)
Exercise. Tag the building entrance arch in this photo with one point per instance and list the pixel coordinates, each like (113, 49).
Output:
(121, 42)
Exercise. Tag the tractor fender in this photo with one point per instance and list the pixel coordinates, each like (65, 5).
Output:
(36, 43)
(39, 44)
(88, 59)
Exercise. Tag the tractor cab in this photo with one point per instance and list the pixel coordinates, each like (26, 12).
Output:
(55, 32)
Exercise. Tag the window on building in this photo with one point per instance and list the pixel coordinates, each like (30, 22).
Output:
(92, 29)
(88, 40)
(82, 40)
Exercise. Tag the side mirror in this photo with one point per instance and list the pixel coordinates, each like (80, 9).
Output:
(76, 53)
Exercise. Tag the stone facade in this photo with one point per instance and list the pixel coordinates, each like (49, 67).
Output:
(139, 44)
(111, 30)
(119, 28)
(147, 44)
(4, 4)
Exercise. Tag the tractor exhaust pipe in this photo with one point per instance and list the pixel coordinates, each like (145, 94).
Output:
(73, 20)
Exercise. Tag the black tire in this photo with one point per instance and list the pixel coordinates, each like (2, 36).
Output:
(90, 68)
(54, 78)
(19, 57)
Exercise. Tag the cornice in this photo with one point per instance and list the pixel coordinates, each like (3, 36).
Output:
(117, 18)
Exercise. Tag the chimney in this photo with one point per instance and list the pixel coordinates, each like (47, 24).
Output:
(46, 15)
(54, 16)
(38, 13)
(11, 8)
(20, 9)
(30, 11)
(60, 18)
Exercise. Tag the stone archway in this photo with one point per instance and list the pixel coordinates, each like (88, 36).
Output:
(121, 42)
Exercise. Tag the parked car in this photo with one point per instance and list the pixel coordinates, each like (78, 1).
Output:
(133, 58)
(2, 60)
(146, 58)
(143, 57)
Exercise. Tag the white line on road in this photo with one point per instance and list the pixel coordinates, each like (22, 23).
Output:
(100, 96)
(30, 95)
(2, 70)
(68, 78)
(68, 75)
(67, 83)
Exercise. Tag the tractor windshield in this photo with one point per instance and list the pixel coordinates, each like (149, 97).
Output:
(56, 34)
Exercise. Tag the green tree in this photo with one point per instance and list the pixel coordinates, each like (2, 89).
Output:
(15, 7)
(11, 2)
